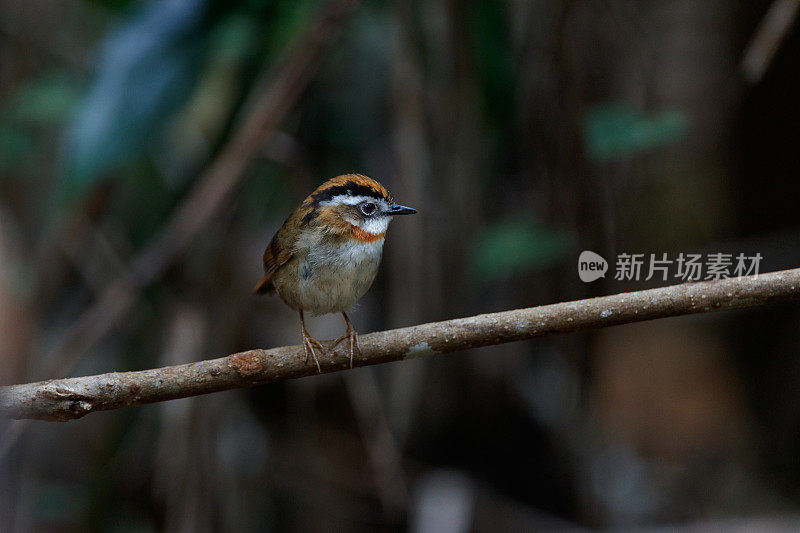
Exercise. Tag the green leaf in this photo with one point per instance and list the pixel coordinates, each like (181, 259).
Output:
(614, 131)
(48, 99)
(515, 247)
(14, 146)
(234, 39)
(289, 18)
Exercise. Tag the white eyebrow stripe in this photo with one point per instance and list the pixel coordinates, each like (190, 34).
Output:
(348, 200)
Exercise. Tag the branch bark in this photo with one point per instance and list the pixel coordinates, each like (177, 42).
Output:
(71, 398)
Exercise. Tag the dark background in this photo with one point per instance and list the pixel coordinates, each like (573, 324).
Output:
(525, 133)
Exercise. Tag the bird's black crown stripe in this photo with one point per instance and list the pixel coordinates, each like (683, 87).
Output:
(350, 188)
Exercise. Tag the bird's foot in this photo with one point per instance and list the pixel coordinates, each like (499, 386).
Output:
(309, 343)
(351, 335)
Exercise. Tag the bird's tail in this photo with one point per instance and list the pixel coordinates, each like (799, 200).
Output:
(264, 286)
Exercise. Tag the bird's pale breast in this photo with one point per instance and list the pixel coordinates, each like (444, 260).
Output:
(329, 279)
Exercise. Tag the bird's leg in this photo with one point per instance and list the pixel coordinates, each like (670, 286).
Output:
(309, 343)
(349, 333)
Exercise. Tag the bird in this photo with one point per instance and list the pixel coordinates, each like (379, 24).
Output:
(325, 256)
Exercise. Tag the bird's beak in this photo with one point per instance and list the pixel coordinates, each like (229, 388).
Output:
(400, 210)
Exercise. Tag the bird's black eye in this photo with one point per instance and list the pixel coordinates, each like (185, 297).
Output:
(368, 208)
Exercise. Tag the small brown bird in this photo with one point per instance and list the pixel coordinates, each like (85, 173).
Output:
(326, 255)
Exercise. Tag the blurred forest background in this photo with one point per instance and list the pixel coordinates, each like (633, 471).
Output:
(149, 150)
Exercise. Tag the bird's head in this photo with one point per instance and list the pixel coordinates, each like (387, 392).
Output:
(353, 204)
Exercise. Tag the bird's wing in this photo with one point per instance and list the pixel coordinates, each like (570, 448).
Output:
(277, 254)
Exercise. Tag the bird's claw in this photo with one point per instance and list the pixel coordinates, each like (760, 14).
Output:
(308, 347)
(354, 346)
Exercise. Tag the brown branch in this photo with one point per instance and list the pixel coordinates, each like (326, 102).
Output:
(767, 39)
(70, 398)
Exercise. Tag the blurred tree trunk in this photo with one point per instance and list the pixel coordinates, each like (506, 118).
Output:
(414, 266)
